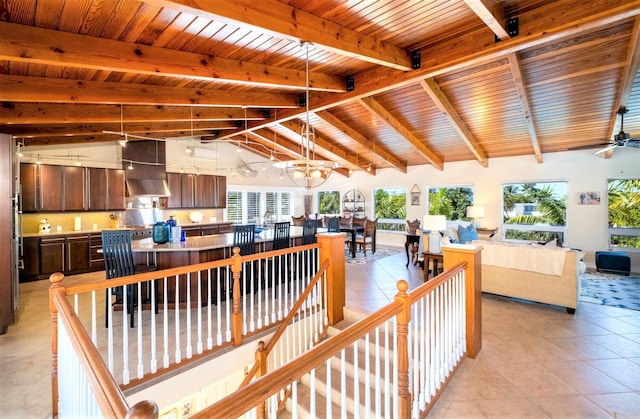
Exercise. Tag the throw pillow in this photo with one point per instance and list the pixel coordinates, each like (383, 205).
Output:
(467, 234)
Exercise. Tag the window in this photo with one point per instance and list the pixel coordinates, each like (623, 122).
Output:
(624, 213)
(535, 211)
(253, 207)
(390, 208)
(329, 202)
(452, 202)
(234, 207)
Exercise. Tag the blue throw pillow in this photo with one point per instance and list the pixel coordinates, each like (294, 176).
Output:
(467, 234)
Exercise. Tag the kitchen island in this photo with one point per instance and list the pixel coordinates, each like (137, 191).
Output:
(197, 249)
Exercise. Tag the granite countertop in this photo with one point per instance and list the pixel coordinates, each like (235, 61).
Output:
(90, 231)
(201, 243)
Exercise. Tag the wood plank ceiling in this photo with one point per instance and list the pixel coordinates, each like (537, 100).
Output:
(433, 82)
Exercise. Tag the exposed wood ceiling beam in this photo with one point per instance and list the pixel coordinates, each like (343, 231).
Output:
(491, 18)
(27, 44)
(30, 131)
(287, 22)
(280, 145)
(464, 51)
(516, 72)
(325, 144)
(43, 89)
(56, 113)
(448, 110)
(628, 78)
(337, 123)
(378, 110)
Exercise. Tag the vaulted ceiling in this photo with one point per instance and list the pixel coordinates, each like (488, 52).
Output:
(392, 83)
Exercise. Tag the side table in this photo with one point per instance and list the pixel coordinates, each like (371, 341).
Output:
(410, 239)
(435, 259)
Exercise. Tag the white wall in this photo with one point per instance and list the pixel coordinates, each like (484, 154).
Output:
(584, 172)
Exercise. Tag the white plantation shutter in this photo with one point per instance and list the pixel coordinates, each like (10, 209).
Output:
(234, 207)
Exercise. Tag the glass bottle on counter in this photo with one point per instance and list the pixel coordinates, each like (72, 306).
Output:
(171, 222)
(160, 232)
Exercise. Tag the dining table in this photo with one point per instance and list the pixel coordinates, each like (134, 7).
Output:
(353, 231)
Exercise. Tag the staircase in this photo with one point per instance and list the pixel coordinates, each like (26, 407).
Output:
(354, 370)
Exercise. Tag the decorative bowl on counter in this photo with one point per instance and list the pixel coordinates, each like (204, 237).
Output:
(259, 230)
(196, 216)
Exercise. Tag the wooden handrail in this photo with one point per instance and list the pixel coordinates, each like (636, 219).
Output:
(285, 323)
(110, 398)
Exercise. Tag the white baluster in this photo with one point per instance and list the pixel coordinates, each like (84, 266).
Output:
(165, 325)
(176, 310)
(154, 332)
(125, 336)
(140, 360)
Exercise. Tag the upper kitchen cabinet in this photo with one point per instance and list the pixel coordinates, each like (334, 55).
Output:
(42, 187)
(196, 191)
(106, 189)
(73, 188)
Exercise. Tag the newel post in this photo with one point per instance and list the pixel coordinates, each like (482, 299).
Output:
(56, 286)
(403, 319)
(453, 255)
(332, 248)
(236, 322)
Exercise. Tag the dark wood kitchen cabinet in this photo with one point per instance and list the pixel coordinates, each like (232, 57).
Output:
(196, 191)
(73, 188)
(52, 254)
(175, 187)
(187, 191)
(105, 189)
(30, 258)
(67, 253)
(41, 186)
(77, 253)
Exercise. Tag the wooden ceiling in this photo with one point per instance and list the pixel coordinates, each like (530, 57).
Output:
(432, 82)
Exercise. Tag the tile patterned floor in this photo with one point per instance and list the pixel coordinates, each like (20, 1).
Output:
(537, 361)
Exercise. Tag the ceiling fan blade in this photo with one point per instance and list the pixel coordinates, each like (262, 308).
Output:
(633, 143)
(609, 147)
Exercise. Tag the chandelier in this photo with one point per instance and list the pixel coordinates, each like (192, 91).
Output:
(307, 172)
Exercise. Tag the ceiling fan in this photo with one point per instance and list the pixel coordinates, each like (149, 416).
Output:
(621, 139)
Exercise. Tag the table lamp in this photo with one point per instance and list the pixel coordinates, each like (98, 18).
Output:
(434, 224)
(475, 212)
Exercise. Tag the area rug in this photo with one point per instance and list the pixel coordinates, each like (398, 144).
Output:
(381, 252)
(610, 290)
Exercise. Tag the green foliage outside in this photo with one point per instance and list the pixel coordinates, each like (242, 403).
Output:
(329, 202)
(391, 204)
(551, 209)
(450, 202)
(624, 211)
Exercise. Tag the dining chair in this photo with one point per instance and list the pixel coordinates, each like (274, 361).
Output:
(244, 237)
(333, 225)
(281, 240)
(368, 236)
(118, 262)
(309, 230)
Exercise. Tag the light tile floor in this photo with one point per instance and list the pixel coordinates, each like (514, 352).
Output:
(537, 361)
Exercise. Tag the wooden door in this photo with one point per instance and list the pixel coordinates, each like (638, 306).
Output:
(52, 254)
(73, 188)
(175, 187)
(188, 190)
(50, 188)
(28, 184)
(97, 189)
(78, 252)
(116, 189)
(220, 192)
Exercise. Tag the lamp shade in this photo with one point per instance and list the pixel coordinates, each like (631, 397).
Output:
(475, 211)
(434, 223)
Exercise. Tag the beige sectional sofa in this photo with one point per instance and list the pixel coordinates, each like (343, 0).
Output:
(549, 275)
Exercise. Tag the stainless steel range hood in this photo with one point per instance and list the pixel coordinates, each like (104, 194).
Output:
(149, 174)
(148, 187)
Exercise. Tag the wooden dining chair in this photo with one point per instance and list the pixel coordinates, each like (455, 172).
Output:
(309, 230)
(333, 225)
(368, 236)
(118, 262)
(281, 240)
